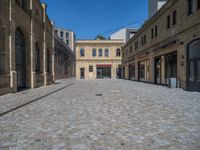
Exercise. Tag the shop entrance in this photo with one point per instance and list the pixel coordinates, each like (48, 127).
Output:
(193, 66)
(103, 71)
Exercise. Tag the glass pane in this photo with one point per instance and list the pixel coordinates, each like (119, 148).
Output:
(198, 70)
(194, 49)
(192, 73)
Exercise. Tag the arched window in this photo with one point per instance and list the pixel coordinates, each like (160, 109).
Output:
(22, 3)
(82, 52)
(94, 52)
(37, 58)
(100, 52)
(2, 52)
(107, 52)
(118, 52)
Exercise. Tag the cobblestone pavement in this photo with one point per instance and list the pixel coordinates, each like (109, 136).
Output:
(127, 116)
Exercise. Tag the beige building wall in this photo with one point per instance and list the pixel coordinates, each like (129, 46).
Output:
(35, 27)
(176, 39)
(112, 60)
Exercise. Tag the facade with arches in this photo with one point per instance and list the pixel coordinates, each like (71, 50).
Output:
(167, 47)
(64, 60)
(26, 45)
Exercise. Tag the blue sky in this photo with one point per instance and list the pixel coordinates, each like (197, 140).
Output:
(87, 18)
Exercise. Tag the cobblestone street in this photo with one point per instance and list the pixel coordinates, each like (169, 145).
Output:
(101, 115)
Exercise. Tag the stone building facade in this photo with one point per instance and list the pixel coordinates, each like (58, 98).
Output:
(167, 47)
(68, 36)
(64, 60)
(26, 47)
(97, 59)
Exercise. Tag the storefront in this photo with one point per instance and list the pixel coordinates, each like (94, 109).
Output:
(165, 68)
(132, 72)
(193, 66)
(143, 71)
(104, 71)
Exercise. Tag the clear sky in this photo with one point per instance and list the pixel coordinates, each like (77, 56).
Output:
(87, 18)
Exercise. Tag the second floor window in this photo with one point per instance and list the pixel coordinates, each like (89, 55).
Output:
(131, 49)
(152, 33)
(174, 18)
(191, 6)
(156, 31)
(94, 52)
(118, 52)
(100, 52)
(168, 22)
(136, 45)
(106, 52)
(82, 52)
(22, 3)
(61, 34)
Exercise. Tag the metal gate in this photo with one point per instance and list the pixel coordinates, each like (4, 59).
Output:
(20, 59)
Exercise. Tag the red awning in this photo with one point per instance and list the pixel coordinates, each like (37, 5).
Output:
(104, 65)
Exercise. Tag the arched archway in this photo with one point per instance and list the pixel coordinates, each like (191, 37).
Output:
(20, 50)
(193, 66)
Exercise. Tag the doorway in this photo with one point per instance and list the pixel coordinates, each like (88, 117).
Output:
(193, 66)
(20, 50)
(82, 73)
(158, 71)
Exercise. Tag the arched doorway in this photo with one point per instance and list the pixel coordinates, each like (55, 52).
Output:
(193, 66)
(20, 49)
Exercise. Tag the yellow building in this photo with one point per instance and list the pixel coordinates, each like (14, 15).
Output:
(97, 59)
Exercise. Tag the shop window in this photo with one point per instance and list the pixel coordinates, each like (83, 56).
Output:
(171, 65)
(90, 68)
(82, 52)
(198, 70)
